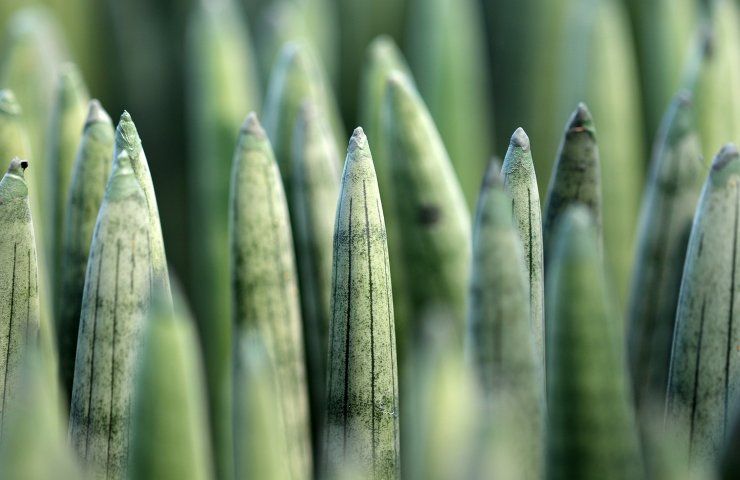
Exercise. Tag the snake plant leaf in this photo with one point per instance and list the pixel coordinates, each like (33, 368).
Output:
(19, 294)
(383, 58)
(315, 190)
(115, 304)
(576, 178)
(597, 65)
(296, 78)
(661, 51)
(500, 339)
(441, 423)
(704, 376)
(265, 282)
(717, 96)
(14, 142)
(452, 76)
(33, 50)
(34, 441)
(259, 447)
(89, 177)
(362, 404)
(672, 192)
(311, 22)
(591, 428)
(520, 181)
(222, 86)
(169, 420)
(127, 140)
(368, 19)
(65, 132)
(432, 243)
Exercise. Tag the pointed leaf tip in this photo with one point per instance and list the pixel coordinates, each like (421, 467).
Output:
(252, 126)
(358, 142)
(17, 166)
(96, 113)
(726, 162)
(581, 120)
(492, 177)
(520, 139)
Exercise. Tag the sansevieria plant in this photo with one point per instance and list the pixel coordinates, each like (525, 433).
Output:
(362, 397)
(19, 322)
(115, 304)
(704, 378)
(87, 188)
(265, 283)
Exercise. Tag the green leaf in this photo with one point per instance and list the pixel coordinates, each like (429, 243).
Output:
(265, 282)
(704, 378)
(362, 403)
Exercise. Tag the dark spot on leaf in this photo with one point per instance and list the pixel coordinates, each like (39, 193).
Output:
(429, 214)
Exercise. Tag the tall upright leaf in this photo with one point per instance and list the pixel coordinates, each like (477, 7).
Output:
(520, 181)
(704, 377)
(265, 282)
(591, 428)
(297, 77)
(89, 177)
(127, 140)
(64, 135)
(362, 398)
(668, 209)
(576, 178)
(19, 294)
(115, 304)
(432, 243)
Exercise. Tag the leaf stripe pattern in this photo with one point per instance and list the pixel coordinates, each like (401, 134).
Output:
(113, 314)
(362, 419)
(705, 317)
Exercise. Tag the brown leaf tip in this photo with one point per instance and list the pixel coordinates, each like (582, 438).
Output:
(581, 120)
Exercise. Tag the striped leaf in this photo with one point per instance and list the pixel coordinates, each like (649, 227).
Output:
(362, 404)
(115, 304)
(265, 282)
(19, 294)
(672, 192)
(521, 184)
(704, 378)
